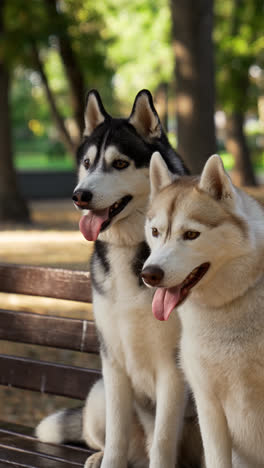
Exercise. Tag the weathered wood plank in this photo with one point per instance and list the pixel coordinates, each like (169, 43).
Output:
(46, 282)
(18, 430)
(45, 330)
(46, 377)
(18, 458)
(55, 452)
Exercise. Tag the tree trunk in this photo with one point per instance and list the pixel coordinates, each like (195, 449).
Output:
(71, 65)
(192, 23)
(12, 205)
(236, 144)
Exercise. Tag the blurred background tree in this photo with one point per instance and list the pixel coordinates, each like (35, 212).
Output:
(55, 50)
(194, 76)
(239, 36)
(12, 205)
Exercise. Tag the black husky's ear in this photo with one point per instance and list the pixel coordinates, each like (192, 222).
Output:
(144, 116)
(95, 113)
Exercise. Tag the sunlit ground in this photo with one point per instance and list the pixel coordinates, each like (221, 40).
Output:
(49, 248)
(53, 238)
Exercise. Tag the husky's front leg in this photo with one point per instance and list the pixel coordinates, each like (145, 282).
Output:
(118, 394)
(170, 405)
(214, 429)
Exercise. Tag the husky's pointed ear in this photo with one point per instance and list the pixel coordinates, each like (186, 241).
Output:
(95, 113)
(144, 117)
(160, 176)
(215, 181)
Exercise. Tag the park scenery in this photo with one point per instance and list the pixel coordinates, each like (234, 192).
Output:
(203, 62)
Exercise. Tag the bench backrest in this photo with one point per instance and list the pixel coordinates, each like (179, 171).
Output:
(58, 332)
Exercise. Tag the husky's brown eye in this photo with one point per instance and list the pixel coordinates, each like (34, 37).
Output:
(155, 232)
(120, 164)
(86, 163)
(191, 235)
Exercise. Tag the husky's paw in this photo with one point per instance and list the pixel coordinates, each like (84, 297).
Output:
(94, 461)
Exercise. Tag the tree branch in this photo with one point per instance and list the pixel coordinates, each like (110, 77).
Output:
(62, 130)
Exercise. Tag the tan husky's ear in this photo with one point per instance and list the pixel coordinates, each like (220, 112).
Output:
(160, 176)
(144, 117)
(95, 113)
(215, 181)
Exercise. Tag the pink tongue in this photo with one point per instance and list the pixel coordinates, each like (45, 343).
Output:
(164, 301)
(91, 223)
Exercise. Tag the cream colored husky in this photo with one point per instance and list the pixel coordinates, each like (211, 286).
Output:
(207, 241)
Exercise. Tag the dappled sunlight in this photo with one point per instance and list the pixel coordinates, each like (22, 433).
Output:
(184, 105)
(53, 248)
(46, 306)
(55, 214)
(182, 53)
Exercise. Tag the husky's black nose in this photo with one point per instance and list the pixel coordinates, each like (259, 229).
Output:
(82, 198)
(152, 275)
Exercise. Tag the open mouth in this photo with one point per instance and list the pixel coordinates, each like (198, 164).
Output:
(192, 279)
(115, 209)
(96, 221)
(166, 299)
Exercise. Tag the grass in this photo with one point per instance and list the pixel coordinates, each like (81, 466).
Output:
(41, 161)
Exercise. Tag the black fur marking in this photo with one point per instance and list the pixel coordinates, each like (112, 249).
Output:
(177, 356)
(101, 249)
(99, 255)
(103, 347)
(95, 284)
(142, 253)
(71, 423)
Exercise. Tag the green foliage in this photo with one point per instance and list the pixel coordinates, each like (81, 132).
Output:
(30, 21)
(121, 47)
(43, 162)
(239, 44)
(139, 44)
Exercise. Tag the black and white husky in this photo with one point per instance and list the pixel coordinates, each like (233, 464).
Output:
(136, 414)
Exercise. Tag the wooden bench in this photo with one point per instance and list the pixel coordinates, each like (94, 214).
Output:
(18, 446)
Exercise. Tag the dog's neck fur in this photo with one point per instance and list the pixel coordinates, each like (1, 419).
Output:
(242, 273)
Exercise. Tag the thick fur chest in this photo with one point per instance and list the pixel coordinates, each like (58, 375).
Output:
(129, 334)
(222, 356)
(115, 271)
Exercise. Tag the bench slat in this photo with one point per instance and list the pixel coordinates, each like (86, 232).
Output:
(47, 282)
(55, 452)
(46, 377)
(19, 458)
(18, 430)
(45, 330)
